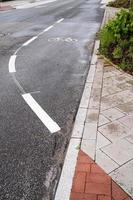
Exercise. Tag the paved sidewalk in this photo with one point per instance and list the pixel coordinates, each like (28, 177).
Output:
(108, 134)
(23, 4)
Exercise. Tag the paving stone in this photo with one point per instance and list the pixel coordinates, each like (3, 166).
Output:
(96, 169)
(89, 146)
(86, 96)
(101, 141)
(98, 178)
(77, 130)
(102, 120)
(112, 114)
(116, 99)
(98, 188)
(91, 74)
(127, 121)
(90, 131)
(83, 167)
(105, 162)
(103, 197)
(117, 192)
(81, 116)
(95, 98)
(81, 196)
(120, 151)
(107, 90)
(130, 138)
(124, 177)
(79, 182)
(83, 158)
(92, 116)
(114, 131)
(126, 107)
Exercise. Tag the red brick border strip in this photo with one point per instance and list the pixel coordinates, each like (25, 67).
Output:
(90, 182)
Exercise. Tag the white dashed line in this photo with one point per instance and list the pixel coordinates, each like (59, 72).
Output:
(47, 29)
(60, 20)
(12, 64)
(29, 41)
(42, 115)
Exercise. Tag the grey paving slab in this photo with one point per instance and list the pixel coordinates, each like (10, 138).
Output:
(124, 177)
(92, 116)
(101, 141)
(120, 151)
(130, 138)
(105, 162)
(89, 147)
(116, 99)
(127, 121)
(126, 107)
(77, 130)
(114, 131)
(86, 96)
(113, 114)
(90, 131)
(102, 120)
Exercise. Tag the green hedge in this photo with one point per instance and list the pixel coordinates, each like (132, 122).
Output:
(117, 40)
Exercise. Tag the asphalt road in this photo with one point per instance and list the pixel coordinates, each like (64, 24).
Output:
(53, 69)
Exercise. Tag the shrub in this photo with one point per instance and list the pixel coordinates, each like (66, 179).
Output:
(120, 3)
(117, 40)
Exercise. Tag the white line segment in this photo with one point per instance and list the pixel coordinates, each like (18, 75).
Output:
(47, 29)
(29, 41)
(60, 20)
(12, 64)
(42, 115)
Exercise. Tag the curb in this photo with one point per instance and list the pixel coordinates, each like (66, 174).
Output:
(65, 183)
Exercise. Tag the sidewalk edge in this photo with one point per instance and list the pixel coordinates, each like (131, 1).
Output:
(65, 183)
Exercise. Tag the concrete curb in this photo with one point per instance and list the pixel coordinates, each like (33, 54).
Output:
(65, 184)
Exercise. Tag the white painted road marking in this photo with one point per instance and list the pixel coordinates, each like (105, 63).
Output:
(29, 41)
(47, 29)
(42, 115)
(60, 20)
(12, 64)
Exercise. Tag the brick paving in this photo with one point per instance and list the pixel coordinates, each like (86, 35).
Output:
(90, 182)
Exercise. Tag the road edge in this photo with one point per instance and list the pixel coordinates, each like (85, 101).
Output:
(65, 183)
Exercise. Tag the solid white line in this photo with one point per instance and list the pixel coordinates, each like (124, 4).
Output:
(42, 115)
(47, 29)
(29, 41)
(60, 20)
(12, 64)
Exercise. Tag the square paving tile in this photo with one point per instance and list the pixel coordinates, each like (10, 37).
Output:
(114, 131)
(113, 114)
(120, 151)
(124, 177)
(105, 162)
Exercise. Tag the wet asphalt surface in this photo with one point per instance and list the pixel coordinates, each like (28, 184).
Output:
(53, 69)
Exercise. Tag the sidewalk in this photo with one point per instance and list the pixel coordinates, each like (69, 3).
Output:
(99, 161)
(103, 132)
(23, 4)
